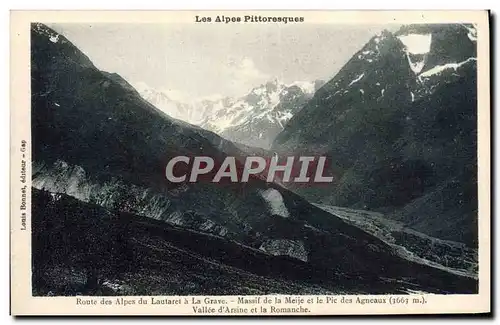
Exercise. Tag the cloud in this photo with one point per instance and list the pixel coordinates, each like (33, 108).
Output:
(244, 74)
(233, 78)
(248, 70)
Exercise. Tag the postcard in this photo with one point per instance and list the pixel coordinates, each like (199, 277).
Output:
(256, 163)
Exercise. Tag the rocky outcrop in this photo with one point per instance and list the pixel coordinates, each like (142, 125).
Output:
(292, 248)
(116, 195)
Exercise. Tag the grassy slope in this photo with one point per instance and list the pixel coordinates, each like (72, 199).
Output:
(83, 248)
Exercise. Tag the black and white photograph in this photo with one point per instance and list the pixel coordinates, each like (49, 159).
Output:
(252, 155)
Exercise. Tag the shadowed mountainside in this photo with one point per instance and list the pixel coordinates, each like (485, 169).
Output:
(399, 122)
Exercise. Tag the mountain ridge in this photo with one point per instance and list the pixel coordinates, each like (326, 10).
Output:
(252, 119)
(399, 122)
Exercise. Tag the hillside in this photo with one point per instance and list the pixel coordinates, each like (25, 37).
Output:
(399, 124)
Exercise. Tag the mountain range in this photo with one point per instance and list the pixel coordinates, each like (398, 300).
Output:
(253, 119)
(399, 122)
(107, 221)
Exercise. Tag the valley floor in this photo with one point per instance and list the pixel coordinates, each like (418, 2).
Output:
(446, 255)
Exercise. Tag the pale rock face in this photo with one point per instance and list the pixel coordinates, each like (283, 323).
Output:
(285, 247)
(274, 201)
(60, 177)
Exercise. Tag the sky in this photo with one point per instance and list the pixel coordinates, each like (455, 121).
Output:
(193, 61)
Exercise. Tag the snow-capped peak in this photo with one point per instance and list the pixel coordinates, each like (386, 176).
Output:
(417, 43)
(219, 113)
(307, 87)
(212, 98)
(416, 47)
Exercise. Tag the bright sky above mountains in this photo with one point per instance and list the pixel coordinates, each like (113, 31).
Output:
(190, 61)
